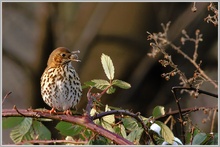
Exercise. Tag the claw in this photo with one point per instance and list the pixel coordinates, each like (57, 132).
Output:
(67, 112)
(52, 110)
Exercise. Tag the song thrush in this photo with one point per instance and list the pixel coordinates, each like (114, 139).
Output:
(60, 84)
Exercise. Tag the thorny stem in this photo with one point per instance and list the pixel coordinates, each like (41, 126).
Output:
(80, 120)
(90, 103)
(91, 97)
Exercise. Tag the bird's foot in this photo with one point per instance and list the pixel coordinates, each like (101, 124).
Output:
(52, 110)
(68, 112)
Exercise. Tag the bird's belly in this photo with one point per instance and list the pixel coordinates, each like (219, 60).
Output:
(61, 90)
(63, 99)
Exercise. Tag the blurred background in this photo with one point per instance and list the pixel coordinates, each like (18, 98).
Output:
(32, 30)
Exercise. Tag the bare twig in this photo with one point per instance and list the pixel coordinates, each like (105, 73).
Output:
(185, 111)
(6, 96)
(194, 9)
(14, 107)
(197, 90)
(160, 43)
(180, 115)
(51, 142)
(213, 121)
(214, 18)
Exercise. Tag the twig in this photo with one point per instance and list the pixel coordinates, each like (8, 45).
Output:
(6, 96)
(213, 19)
(213, 121)
(14, 107)
(197, 90)
(104, 91)
(194, 9)
(180, 115)
(185, 111)
(51, 141)
(90, 103)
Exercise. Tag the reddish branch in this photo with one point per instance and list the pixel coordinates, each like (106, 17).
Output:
(79, 120)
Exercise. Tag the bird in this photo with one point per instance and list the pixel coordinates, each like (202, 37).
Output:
(60, 84)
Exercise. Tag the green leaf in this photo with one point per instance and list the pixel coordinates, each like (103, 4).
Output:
(39, 131)
(68, 129)
(129, 123)
(108, 66)
(120, 130)
(99, 140)
(215, 139)
(110, 90)
(21, 131)
(107, 126)
(135, 135)
(158, 111)
(121, 84)
(88, 133)
(144, 119)
(88, 84)
(199, 138)
(166, 133)
(123, 132)
(11, 122)
(100, 84)
(109, 118)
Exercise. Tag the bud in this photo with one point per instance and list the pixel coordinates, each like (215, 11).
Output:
(167, 78)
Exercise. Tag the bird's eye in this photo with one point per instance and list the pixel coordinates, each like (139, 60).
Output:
(63, 55)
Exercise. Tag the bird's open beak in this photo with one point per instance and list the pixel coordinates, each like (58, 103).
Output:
(74, 56)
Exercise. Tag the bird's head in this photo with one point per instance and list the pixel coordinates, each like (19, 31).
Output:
(61, 56)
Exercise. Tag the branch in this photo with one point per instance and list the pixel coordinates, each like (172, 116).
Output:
(80, 120)
(51, 142)
(185, 111)
(196, 90)
(180, 115)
